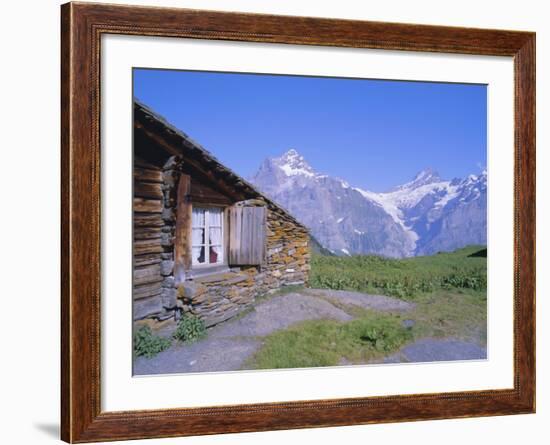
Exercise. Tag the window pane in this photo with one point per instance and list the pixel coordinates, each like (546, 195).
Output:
(215, 235)
(215, 218)
(215, 254)
(198, 236)
(198, 255)
(198, 217)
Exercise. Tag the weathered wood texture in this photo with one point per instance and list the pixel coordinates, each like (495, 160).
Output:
(147, 246)
(203, 194)
(148, 174)
(147, 232)
(147, 274)
(82, 419)
(247, 239)
(147, 306)
(147, 205)
(147, 190)
(147, 220)
(147, 290)
(182, 248)
(148, 133)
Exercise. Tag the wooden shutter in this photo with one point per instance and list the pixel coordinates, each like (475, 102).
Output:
(247, 235)
(182, 247)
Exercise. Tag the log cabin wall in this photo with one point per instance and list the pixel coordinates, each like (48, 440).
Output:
(154, 292)
(217, 297)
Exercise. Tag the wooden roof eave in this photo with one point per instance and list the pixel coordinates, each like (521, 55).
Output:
(177, 143)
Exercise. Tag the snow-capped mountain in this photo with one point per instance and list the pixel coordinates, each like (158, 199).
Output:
(423, 216)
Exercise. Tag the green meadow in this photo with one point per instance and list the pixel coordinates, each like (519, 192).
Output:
(405, 278)
(450, 301)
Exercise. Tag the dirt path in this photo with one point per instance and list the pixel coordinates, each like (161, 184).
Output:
(230, 344)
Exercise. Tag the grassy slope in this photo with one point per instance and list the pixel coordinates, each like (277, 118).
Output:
(449, 290)
(403, 278)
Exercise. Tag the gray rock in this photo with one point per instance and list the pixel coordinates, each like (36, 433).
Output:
(166, 239)
(169, 282)
(166, 267)
(169, 298)
(170, 164)
(366, 301)
(189, 289)
(435, 350)
(281, 312)
(168, 215)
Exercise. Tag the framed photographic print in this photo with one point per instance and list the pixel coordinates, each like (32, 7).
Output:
(274, 222)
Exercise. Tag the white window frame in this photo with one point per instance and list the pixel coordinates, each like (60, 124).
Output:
(207, 244)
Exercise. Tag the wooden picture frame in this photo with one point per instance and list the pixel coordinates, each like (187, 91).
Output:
(83, 24)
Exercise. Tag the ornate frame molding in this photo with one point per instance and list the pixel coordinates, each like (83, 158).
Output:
(82, 27)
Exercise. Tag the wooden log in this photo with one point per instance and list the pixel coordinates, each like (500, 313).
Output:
(147, 274)
(147, 190)
(182, 249)
(147, 205)
(147, 290)
(148, 220)
(201, 193)
(145, 260)
(147, 232)
(147, 307)
(142, 163)
(147, 175)
(142, 247)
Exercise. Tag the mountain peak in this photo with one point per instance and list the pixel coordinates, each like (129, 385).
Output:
(423, 177)
(291, 153)
(426, 174)
(293, 163)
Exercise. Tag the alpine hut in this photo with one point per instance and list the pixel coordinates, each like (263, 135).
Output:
(205, 241)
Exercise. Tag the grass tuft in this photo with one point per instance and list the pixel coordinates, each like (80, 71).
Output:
(190, 329)
(326, 342)
(147, 344)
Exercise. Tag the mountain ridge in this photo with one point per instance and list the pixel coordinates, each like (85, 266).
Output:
(421, 216)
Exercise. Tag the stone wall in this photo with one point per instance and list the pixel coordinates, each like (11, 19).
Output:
(288, 251)
(219, 297)
(170, 177)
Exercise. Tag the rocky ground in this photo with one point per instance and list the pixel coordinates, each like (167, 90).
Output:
(228, 345)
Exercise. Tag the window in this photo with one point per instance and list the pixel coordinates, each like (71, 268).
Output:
(207, 241)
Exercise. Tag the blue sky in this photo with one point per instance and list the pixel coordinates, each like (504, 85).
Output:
(375, 134)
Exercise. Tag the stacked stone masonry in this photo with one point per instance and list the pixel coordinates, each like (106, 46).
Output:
(218, 297)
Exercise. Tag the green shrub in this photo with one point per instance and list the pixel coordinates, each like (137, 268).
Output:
(147, 344)
(383, 336)
(190, 328)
